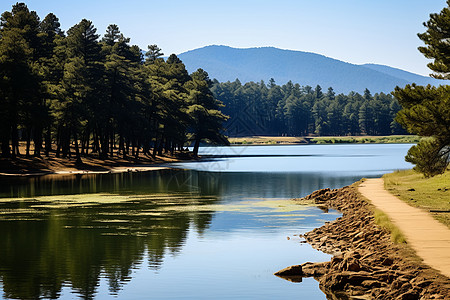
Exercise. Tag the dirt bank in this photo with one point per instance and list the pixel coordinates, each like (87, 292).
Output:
(23, 166)
(366, 263)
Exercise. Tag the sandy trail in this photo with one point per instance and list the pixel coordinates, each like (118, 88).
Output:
(429, 238)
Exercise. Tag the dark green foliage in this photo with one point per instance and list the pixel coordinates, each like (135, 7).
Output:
(95, 96)
(430, 157)
(426, 110)
(291, 109)
(153, 53)
(204, 111)
(436, 41)
(21, 95)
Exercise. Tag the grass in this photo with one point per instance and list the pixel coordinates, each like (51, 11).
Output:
(427, 193)
(383, 221)
(266, 140)
(390, 139)
(273, 140)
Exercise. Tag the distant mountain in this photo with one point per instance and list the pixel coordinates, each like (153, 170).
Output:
(255, 64)
(410, 77)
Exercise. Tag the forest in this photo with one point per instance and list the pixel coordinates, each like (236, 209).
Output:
(76, 92)
(294, 110)
(80, 93)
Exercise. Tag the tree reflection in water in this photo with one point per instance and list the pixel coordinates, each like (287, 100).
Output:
(45, 244)
(59, 231)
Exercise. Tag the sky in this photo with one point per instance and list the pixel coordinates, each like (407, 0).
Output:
(355, 31)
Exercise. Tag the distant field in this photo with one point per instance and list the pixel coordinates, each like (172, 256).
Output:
(273, 140)
(427, 193)
(270, 140)
(389, 139)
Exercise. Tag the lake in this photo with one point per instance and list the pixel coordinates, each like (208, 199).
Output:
(217, 228)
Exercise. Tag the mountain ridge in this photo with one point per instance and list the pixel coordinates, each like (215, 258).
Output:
(306, 68)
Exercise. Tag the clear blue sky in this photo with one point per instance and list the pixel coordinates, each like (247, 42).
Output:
(355, 31)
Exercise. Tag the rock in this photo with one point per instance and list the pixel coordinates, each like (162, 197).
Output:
(368, 262)
(290, 271)
(295, 279)
(310, 269)
(371, 284)
(409, 295)
(405, 287)
(387, 262)
(423, 283)
(354, 266)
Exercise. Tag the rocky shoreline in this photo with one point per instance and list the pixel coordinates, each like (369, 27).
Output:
(366, 264)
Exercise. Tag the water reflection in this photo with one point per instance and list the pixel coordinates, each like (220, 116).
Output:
(38, 256)
(170, 181)
(59, 231)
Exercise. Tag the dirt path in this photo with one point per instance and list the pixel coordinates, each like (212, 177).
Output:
(429, 238)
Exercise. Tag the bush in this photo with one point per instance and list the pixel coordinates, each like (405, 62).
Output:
(430, 156)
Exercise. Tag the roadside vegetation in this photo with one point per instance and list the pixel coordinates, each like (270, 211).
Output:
(266, 140)
(432, 194)
(382, 220)
(390, 139)
(286, 140)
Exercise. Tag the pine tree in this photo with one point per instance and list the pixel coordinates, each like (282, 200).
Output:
(81, 98)
(204, 110)
(436, 41)
(153, 53)
(426, 110)
(21, 96)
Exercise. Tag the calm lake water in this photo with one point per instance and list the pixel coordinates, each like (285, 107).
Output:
(213, 229)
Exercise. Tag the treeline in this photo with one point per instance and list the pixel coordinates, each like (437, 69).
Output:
(294, 110)
(76, 91)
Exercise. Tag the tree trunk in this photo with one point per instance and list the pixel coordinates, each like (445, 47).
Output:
(137, 149)
(196, 146)
(113, 144)
(77, 150)
(58, 141)
(37, 141)
(6, 150)
(27, 150)
(48, 141)
(14, 141)
(155, 148)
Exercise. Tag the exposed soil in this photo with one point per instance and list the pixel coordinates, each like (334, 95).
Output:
(366, 264)
(23, 165)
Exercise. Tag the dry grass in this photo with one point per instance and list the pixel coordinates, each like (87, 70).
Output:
(427, 193)
(286, 140)
(266, 140)
(390, 139)
(382, 220)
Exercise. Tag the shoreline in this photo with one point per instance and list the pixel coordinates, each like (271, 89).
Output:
(40, 166)
(366, 263)
(321, 140)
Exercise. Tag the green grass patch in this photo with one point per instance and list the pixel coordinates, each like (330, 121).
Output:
(390, 139)
(383, 221)
(427, 193)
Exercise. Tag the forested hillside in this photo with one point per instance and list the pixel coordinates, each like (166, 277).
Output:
(95, 96)
(255, 64)
(291, 109)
